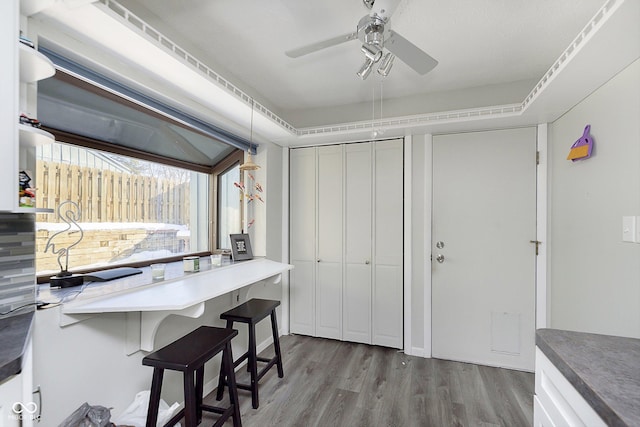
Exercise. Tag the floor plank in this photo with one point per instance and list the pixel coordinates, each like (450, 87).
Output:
(334, 383)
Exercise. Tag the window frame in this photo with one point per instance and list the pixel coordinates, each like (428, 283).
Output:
(233, 159)
(86, 142)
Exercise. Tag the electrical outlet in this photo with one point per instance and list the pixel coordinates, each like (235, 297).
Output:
(235, 298)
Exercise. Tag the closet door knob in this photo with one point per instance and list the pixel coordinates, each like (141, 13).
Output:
(318, 260)
(367, 262)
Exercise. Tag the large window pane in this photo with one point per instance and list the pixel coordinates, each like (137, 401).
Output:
(132, 210)
(228, 206)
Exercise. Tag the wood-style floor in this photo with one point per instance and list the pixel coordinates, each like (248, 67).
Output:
(334, 383)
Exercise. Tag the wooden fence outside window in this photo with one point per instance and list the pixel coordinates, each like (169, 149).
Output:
(123, 203)
(111, 196)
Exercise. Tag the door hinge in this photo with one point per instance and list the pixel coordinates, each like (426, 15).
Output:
(537, 157)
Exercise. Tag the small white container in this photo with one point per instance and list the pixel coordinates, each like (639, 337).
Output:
(216, 260)
(191, 264)
(157, 271)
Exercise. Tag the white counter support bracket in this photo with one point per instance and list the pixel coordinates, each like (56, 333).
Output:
(141, 326)
(150, 321)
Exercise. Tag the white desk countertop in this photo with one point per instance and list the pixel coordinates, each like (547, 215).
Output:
(182, 292)
(147, 303)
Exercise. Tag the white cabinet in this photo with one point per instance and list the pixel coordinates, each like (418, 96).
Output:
(10, 395)
(346, 242)
(21, 67)
(556, 402)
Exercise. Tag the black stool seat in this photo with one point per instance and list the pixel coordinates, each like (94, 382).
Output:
(188, 355)
(252, 312)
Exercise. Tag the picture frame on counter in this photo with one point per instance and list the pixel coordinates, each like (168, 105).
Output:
(240, 247)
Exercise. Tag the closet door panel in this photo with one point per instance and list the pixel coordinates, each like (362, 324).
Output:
(329, 240)
(357, 283)
(328, 300)
(303, 203)
(388, 244)
(357, 303)
(302, 298)
(302, 245)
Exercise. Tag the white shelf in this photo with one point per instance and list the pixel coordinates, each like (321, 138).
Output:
(34, 65)
(34, 137)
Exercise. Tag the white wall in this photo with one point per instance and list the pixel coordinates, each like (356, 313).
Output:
(594, 277)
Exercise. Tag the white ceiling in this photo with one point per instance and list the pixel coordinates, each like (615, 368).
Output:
(490, 52)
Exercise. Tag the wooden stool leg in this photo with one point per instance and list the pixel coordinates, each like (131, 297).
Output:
(199, 391)
(221, 375)
(227, 357)
(154, 397)
(276, 343)
(253, 366)
(190, 418)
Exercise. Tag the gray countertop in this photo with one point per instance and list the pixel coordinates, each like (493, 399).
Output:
(604, 369)
(14, 336)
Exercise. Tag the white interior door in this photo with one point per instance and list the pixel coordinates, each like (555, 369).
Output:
(357, 257)
(329, 261)
(484, 207)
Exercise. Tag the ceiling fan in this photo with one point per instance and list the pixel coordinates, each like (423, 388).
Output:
(376, 37)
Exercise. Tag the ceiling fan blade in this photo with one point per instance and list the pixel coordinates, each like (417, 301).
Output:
(314, 47)
(409, 53)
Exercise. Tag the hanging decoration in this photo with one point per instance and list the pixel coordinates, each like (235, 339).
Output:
(582, 148)
(250, 189)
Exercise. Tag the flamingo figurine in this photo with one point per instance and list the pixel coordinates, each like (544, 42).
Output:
(70, 215)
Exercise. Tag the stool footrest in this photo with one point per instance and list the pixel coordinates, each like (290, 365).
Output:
(241, 359)
(270, 363)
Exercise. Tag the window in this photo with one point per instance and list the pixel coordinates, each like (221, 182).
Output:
(229, 207)
(132, 210)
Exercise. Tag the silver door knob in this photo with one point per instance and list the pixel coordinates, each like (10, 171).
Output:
(367, 262)
(440, 245)
(440, 258)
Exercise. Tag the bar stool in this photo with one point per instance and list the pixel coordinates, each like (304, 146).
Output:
(188, 355)
(252, 312)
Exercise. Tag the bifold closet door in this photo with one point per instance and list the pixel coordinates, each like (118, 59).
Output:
(357, 259)
(329, 242)
(388, 217)
(303, 240)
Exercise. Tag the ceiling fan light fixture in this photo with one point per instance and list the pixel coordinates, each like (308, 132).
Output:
(365, 70)
(374, 36)
(372, 52)
(386, 64)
